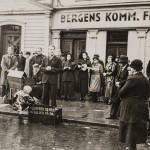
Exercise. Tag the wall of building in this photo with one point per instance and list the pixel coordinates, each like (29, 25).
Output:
(97, 21)
(34, 19)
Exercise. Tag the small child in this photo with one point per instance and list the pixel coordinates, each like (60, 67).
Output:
(21, 101)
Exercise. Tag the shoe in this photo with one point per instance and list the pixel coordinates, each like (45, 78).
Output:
(81, 99)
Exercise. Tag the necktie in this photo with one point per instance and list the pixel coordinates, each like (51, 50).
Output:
(10, 60)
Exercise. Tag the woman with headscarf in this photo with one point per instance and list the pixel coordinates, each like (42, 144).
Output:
(68, 78)
(134, 113)
(109, 78)
(95, 82)
(82, 75)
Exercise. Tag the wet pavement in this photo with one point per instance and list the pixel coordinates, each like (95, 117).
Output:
(77, 112)
(63, 137)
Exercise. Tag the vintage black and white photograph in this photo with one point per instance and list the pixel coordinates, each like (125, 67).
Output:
(74, 74)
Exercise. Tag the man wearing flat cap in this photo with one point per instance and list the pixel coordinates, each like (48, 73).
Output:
(120, 81)
(134, 113)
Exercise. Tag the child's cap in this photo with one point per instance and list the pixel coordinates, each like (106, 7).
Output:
(27, 89)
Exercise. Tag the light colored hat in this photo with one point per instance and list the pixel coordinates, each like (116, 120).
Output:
(27, 89)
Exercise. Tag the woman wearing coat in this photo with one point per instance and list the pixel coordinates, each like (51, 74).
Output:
(134, 114)
(95, 82)
(68, 78)
(109, 78)
(82, 75)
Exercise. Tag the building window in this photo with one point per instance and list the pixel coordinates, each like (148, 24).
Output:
(117, 43)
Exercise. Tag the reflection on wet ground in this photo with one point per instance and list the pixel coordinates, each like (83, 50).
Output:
(62, 137)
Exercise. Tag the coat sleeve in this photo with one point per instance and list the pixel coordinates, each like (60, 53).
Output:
(31, 62)
(3, 65)
(124, 79)
(127, 87)
(112, 72)
(101, 69)
(58, 68)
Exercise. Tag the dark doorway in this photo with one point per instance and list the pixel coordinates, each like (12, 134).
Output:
(73, 43)
(10, 36)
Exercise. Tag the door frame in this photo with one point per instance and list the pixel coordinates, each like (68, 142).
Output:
(22, 24)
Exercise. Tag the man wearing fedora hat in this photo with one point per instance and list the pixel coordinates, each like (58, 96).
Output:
(134, 113)
(121, 78)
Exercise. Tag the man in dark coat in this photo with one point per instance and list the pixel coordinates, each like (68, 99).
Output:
(35, 63)
(120, 81)
(51, 67)
(21, 62)
(134, 113)
(9, 62)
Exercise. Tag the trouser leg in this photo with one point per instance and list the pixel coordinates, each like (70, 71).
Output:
(114, 108)
(82, 97)
(53, 93)
(94, 96)
(45, 96)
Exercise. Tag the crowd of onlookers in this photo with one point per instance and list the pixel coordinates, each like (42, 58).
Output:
(84, 76)
(120, 83)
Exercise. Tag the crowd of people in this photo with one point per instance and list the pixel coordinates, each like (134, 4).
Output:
(121, 84)
(64, 75)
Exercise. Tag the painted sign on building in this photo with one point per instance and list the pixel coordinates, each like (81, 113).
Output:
(104, 19)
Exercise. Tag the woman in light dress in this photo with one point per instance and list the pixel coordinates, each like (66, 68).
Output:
(95, 81)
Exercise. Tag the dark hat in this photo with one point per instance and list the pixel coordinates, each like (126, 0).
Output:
(96, 55)
(123, 59)
(137, 64)
(28, 53)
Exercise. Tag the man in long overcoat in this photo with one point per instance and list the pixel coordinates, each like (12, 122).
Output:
(9, 62)
(35, 63)
(51, 67)
(120, 81)
(134, 113)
